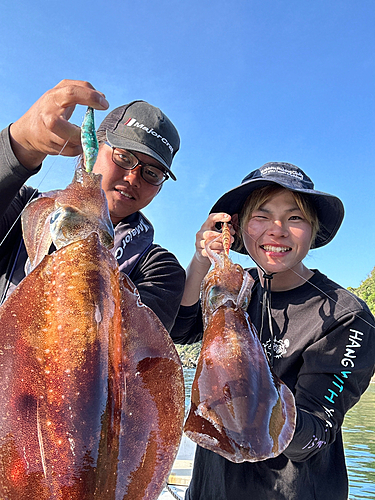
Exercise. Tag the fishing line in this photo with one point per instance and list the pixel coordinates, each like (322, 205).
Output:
(332, 299)
(35, 190)
(46, 172)
(309, 282)
(33, 193)
(8, 280)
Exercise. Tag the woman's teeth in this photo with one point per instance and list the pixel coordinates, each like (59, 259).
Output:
(270, 248)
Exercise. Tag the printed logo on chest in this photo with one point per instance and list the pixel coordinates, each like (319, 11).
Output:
(280, 347)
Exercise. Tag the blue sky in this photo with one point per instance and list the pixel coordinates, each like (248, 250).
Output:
(244, 81)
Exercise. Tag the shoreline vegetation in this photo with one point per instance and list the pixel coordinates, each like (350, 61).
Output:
(189, 353)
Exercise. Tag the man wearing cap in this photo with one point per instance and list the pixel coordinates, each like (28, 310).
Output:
(137, 143)
(318, 337)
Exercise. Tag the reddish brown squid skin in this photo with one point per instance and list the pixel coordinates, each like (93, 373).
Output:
(239, 408)
(91, 386)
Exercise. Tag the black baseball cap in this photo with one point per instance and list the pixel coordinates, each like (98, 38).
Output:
(329, 208)
(138, 126)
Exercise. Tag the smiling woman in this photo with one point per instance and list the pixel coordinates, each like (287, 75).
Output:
(303, 204)
(278, 236)
(305, 323)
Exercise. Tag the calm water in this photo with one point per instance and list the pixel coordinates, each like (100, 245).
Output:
(359, 438)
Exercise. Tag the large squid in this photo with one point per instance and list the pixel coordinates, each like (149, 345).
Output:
(91, 386)
(239, 408)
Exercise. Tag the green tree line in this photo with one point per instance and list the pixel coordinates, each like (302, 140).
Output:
(189, 354)
(366, 291)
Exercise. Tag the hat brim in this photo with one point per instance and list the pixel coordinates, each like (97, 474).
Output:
(120, 142)
(330, 209)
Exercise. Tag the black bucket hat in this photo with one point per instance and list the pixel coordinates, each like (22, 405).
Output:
(141, 127)
(330, 209)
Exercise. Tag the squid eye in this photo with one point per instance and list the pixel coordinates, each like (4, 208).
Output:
(213, 296)
(64, 212)
(55, 215)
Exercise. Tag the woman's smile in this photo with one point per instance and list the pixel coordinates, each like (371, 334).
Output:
(278, 237)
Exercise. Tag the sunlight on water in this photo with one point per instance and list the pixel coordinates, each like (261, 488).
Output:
(188, 378)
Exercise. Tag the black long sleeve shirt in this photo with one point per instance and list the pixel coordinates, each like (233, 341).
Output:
(324, 350)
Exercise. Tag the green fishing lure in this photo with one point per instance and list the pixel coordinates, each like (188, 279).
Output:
(89, 140)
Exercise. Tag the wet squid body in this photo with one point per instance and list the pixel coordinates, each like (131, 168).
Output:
(239, 408)
(91, 386)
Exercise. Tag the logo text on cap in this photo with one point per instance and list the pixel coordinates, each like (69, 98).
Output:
(132, 122)
(281, 170)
